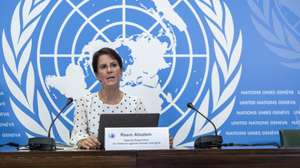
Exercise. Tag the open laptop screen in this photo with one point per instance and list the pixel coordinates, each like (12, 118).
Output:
(126, 120)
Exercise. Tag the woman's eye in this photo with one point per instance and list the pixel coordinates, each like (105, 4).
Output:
(102, 66)
(114, 65)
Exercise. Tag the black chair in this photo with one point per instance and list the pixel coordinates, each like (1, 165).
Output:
(290, 138)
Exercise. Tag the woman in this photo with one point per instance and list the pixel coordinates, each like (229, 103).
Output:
(107, 66)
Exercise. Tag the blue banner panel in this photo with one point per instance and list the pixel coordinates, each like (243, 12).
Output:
(238, 62)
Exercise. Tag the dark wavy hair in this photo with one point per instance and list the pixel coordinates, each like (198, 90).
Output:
(105, 51)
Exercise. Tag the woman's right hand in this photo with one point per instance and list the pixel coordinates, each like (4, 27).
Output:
(89, 143)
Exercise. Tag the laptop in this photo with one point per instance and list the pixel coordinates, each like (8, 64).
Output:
(125, 120)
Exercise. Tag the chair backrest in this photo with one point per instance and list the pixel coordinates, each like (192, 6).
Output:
(289, 138)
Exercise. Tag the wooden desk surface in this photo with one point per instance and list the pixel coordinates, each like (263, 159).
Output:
(258, 158)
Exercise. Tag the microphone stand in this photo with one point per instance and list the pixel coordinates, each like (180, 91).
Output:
(47, 143)
(207, 141)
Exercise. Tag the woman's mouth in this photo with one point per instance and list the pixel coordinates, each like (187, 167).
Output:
(111, 77)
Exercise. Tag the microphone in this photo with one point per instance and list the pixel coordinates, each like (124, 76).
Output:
(69, 101)
(207, 141)
(47, 143)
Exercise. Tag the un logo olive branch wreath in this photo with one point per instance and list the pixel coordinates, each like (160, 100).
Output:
(19, 73)
(278, 38)
(225, 75)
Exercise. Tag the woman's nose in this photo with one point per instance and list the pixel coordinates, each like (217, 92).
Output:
(109, 69)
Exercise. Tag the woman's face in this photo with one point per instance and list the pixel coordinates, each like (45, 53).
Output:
(109, 72)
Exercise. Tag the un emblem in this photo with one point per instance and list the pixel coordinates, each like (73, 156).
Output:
(174, 52)
(278, 24)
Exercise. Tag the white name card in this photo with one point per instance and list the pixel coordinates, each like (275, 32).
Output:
(136, 138)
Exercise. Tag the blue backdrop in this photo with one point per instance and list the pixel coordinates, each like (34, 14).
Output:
(237, 61)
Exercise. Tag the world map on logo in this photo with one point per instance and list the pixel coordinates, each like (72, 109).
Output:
(157, 68)
(140, 71)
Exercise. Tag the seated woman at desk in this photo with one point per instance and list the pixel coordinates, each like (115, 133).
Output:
(107, 66)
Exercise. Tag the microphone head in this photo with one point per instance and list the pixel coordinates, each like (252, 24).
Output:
(190, 105)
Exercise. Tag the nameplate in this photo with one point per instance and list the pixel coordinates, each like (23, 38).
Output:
(136, 138)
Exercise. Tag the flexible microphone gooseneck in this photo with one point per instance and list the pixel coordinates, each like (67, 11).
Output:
(207, 141)
(69, 101)
(47, 143)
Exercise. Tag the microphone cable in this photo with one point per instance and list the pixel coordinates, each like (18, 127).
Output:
(254, 144)
(12, 144)
(15, 145)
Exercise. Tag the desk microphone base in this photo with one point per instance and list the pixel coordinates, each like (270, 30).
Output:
(208, 141)
(42, 143)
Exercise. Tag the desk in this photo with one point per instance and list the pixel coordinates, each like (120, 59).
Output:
(258, 158)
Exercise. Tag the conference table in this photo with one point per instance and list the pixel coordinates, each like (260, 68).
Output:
(202, 158)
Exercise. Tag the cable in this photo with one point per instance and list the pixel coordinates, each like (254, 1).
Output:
(10, 144)
(255, 144)
(15, 145)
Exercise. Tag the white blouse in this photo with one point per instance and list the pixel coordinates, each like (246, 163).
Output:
(89, 108)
